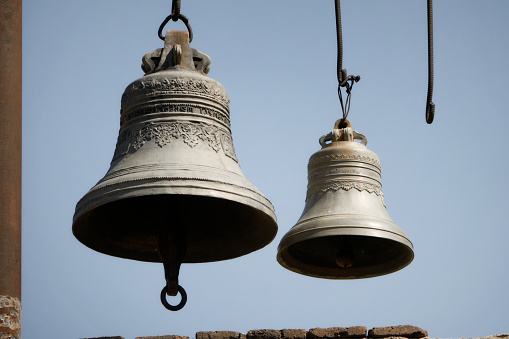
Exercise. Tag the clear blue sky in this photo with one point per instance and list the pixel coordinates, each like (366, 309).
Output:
(445, 184)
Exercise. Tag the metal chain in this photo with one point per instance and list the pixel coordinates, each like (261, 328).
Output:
(344, 80)
(175, 16)
(430, 106)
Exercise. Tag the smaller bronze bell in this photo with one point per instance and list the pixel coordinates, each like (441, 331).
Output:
(345, 231)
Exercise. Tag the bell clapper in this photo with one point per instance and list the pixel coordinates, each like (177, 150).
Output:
(172, 250)
(345, 258)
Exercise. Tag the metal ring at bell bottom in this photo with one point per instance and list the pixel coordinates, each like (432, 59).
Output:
(176, 307)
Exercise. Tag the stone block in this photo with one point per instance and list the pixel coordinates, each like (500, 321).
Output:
(325, 333)
(220, 335)
(406, 331)
(293, 334)
(494, 336)
(164, 337)
(357, 331)
(264, 334)
(337, 332)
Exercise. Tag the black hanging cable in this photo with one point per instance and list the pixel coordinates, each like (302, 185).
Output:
(175, 16)
(339, 37)
(430, 106)
(344, 80)
(175, 9)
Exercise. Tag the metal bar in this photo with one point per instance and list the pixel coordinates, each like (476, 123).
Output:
(10, 168)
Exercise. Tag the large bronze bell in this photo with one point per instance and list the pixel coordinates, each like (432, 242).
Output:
(345, 231)
(174, 192)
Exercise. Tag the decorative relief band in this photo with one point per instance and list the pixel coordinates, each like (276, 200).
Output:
(176, 108)
(335, 170)
(10, 320)
(346, 185)
(343, 156)
(178, 85)
(163, 133)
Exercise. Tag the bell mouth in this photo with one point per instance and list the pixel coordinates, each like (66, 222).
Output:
(345, 256)
(215, 229)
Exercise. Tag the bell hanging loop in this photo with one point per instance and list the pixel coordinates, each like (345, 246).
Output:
(345, 231)
(175, 16)
(174, 192)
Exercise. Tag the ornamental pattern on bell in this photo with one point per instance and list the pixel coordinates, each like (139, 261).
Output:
(343, 156)
(177, 85)
(164, 133)
(346, 185)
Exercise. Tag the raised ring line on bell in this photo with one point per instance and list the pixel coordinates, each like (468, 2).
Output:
(170, 106)
(343, 227)
(173, 179)
(225, 102)
(344, 157)
(267, 204)
(168, 118)
(163, 167)
(333, 177)
(204, 113)
(186, 178)
(177, 96)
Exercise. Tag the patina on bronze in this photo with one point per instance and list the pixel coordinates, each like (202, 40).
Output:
(345, 231)
(174, 192)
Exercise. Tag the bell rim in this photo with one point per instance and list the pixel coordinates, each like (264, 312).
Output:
(292, 238)
(283, 255)
(90, 199)
(95, 199)
(283, 263)
(331, 224)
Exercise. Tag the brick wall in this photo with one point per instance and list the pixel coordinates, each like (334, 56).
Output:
(390, 332)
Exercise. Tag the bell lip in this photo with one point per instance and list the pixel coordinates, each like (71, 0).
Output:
(378, 227)
(96, 198)
(101, 195)
(290, 239)
(282, 262)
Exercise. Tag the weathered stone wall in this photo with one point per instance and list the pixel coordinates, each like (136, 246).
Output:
(389, 332)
